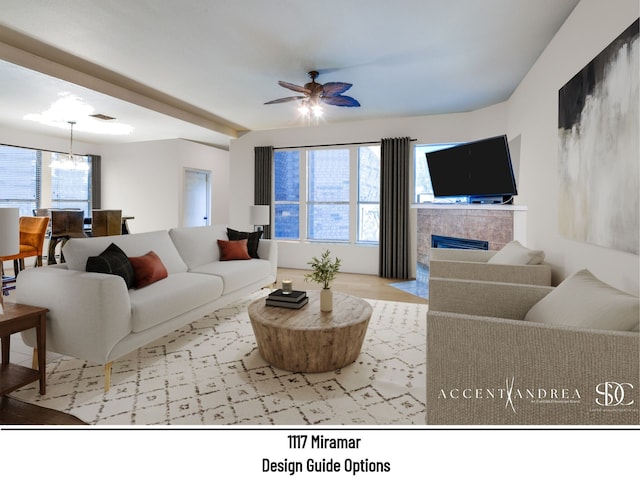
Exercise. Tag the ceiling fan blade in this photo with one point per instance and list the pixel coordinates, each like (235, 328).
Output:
(341, 101)
(295, 88)
(335, 88)
(285, 99)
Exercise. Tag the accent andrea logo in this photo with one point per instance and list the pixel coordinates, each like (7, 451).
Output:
(511, 393)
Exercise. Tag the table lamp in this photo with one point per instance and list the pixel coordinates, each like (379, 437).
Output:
(9, 238)
(259, 215)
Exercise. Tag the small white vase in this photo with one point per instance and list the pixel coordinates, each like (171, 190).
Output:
(326, 300)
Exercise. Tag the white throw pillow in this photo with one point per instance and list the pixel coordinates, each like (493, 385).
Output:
(513, 253)
(584, 301)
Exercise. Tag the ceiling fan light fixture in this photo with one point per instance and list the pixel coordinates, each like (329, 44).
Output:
(310, 108)
(317, 110)
(314, 94)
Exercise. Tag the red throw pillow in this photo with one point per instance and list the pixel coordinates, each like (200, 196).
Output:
(233, 250)
(147, 269)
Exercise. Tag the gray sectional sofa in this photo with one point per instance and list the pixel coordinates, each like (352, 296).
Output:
(96, 317)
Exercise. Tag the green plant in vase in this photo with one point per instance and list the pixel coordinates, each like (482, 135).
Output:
(324, 271)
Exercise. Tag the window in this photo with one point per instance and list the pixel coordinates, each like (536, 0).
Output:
(31, 179)
(329, 195)
(286, 167)
(423, 190)
(20, 172)
(71, 184)
(369, 194)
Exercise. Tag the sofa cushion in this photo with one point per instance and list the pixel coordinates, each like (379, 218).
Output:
(77, 250)
(170, 297)
(147, 269)
(235, 273)
(114, 262)
(197, 245)
(584, 301)
(253, 240)
(233, 250)
(514, 253)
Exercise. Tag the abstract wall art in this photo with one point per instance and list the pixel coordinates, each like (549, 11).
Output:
(599, 149)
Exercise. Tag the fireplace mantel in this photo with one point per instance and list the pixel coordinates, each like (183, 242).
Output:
(497, 224)
(469, 206)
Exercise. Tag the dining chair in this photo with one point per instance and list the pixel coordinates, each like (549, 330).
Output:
(32, 234)
(106, 222)
(65, 224)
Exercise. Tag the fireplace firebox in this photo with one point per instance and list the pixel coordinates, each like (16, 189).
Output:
(439, 241)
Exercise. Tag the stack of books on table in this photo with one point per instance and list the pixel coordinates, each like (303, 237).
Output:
(295, 299)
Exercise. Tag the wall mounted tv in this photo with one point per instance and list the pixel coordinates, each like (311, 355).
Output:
(481, 170)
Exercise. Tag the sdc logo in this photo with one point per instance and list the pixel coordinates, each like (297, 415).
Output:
(613, 394)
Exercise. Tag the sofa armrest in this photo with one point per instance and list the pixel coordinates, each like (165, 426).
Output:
(461, 255)
(494, 299)
(490, 371)
(88, 312)
(268, 250)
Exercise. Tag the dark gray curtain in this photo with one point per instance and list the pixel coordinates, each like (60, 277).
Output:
(262, 182)
(96, 179)
(394, 207)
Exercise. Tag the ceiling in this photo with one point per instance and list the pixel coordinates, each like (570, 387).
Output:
(202, 70)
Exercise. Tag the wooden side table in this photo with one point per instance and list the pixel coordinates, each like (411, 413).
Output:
(308, 340)
(17, 318)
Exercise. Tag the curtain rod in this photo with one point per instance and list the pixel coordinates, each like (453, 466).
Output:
(334, 144)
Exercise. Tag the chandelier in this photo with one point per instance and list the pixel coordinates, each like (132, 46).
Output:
(69, 161)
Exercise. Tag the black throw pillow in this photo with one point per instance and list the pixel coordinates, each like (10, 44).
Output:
(253, 240)
(113, 261)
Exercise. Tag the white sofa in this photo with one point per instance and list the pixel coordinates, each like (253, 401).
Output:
(95, 317)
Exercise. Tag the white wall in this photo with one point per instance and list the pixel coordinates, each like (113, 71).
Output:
(533, 114)
(425, 129)
(146, 180)
(20, 138)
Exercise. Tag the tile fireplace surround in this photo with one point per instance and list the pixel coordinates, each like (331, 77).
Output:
(497, 224)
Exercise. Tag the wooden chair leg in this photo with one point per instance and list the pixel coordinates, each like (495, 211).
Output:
(34, 361)
(107, 376)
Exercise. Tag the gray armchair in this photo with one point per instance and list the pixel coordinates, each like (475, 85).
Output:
(487, 366)
(475, 265)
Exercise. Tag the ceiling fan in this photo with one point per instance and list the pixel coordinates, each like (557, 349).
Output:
(314, 93)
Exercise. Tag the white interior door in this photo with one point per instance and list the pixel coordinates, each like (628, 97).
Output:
(196, 210)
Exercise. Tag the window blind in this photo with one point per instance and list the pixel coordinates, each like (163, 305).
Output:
(20, 174)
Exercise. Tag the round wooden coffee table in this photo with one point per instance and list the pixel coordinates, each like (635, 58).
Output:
(308, 340)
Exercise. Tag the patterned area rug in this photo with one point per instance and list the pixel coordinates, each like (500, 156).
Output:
(211, 373)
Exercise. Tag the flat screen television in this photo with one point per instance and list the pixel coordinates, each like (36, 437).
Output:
(481, 170)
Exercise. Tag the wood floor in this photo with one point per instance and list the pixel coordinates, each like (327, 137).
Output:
(15, 412)
(363, 286)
